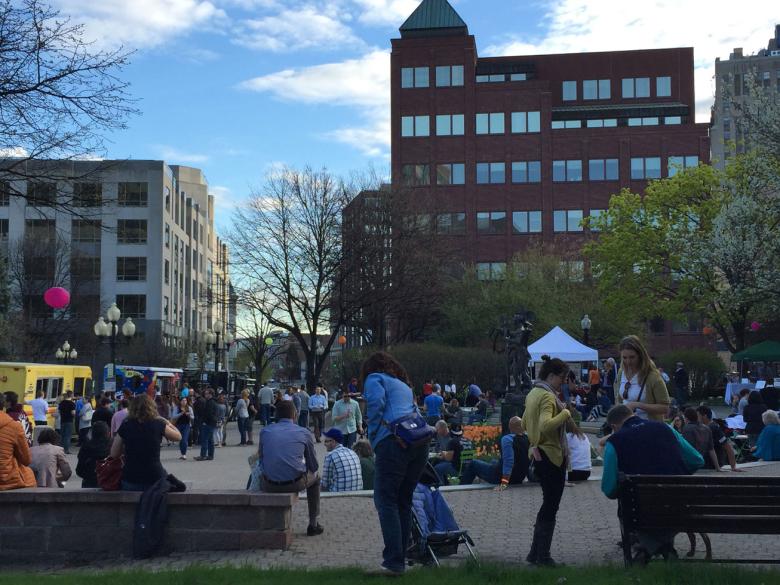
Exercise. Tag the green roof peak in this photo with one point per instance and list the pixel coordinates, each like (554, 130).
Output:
(433, 17)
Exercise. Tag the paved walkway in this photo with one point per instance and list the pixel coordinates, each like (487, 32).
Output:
(500, 523)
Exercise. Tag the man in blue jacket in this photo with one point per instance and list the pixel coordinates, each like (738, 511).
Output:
(643, 447)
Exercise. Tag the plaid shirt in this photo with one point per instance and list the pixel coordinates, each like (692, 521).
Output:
(341, 471)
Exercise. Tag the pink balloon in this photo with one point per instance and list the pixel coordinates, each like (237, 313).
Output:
(755, 326)
(57, 297)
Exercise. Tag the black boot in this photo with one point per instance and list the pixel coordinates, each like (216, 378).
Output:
(533, 555)
(543, 558)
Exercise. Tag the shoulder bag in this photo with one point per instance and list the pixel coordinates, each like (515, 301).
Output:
(109, 473)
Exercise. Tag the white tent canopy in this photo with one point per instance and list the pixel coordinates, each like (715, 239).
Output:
(559, 344)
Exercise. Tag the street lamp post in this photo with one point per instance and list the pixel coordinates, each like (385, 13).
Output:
(66, 352)
(109, 328)
(585, 324)
(343, 343)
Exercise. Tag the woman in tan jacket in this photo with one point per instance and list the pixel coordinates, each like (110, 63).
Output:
(14, 454)
(546, 420)
(639, 384)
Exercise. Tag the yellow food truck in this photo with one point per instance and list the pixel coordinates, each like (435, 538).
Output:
(54, 379)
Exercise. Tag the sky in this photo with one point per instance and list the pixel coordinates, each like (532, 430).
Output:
(239, 88)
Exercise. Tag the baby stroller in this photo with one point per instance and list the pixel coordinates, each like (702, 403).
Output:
(435, 533)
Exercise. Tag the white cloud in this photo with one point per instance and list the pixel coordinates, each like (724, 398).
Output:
(14, 152)
(141, 23)
(294, 29)
(177, 157)
(385, 12)
(363, 83)
(609, 25)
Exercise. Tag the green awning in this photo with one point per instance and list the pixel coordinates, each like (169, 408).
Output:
(766, 351)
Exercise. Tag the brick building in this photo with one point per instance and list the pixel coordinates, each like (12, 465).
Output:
(517, 150)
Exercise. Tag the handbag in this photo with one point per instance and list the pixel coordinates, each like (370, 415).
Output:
(109, 473)
(411, 430)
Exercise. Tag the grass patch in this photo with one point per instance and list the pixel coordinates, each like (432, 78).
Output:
(657, 573)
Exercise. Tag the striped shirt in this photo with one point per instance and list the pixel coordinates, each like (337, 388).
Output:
(341, 471)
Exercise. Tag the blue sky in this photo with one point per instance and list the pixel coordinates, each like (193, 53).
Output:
(239, 87)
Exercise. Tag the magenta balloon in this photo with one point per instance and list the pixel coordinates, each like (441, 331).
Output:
(755, 325)
(57, 297)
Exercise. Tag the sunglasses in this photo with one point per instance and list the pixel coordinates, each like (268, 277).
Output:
(626, 388)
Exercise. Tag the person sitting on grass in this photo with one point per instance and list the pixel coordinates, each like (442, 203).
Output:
(768, 446)
(511, 469)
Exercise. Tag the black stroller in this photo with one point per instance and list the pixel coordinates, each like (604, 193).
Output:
(435, 533)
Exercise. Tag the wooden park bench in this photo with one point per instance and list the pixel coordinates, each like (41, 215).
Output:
(704, 504)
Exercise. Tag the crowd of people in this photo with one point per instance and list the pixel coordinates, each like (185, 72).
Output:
(365, 450)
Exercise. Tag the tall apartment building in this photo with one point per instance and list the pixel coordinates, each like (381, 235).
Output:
(138, 233)
(518, 150)
(730, 134)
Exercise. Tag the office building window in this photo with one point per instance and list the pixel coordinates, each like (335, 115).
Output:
(3, 231)
(85, 267)
(567, 220)
(415, 126)
(450, 125)
(672, 120)
(87, 194)
(40, 230)
(518, 76)
(167, 191)
(603, 169)
(529, 171)
(85, 230)
(646, 168)
(132, 305)
(490, 173)
(636, 87)
(595, 214)
(491, 222)
(569, 91)
(451, 223)
(41, 194)
(523, 122)
(451, 174)
(572, 270)
(167, 235)
(561, 124)
(5, 193)
(526, 222)
(567, 171)
(416, 175)
(492, 78)
(491, 270)
(663, 86)
(492, 123)
(133, 194)
(596, 89)
(167, 271)
(678, 163)
(414, 77)
(449, 76)
(131, 268)
(131, 231)
(606, 123)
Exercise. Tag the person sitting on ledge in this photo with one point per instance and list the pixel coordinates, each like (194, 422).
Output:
(14, 454)
(768, 445)
(513, 466)
(289, 461)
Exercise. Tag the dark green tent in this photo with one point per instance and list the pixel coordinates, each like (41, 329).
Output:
(766, 351)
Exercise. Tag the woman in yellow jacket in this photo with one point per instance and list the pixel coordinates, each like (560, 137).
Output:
(546, 420)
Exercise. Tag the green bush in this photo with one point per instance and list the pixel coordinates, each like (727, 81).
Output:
(425, 361)
(704, 367)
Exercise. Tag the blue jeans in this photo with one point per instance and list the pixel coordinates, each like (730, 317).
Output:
(67, 434)
(349, 439)
(397, 471)
(185, 438)
(489, 471)
(265, 413)
(444, 470)
(128, 486)
(242, 428)
(207, 440)
(303, 419)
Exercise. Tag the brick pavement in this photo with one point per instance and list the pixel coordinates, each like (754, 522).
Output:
(500, 523)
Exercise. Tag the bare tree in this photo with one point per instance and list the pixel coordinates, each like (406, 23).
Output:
(59, 97)
(252, 332)
(286, 247)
